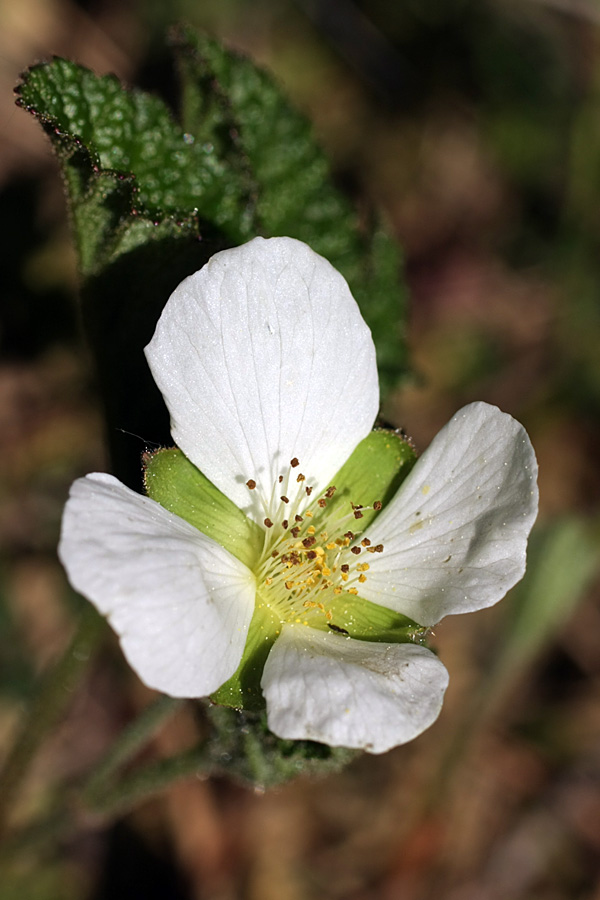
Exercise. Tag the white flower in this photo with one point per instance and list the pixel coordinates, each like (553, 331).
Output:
(268, 371)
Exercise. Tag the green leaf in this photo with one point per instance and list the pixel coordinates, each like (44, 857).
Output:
(174, 482)
(236, 107)
(383, 299)
(561, 561)
(123, 153)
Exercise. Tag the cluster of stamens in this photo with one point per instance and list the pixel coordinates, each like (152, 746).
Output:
(303, 567)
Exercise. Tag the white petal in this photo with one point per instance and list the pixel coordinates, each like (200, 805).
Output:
(347, 693)
(455, 535)
(180, 603)
(263, 356)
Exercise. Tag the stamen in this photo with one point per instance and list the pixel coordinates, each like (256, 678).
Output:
(303, 569)
(377, 505)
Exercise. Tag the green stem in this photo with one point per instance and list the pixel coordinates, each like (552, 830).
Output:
(130, 741)
(124, 795)
(39, 839)
(54, 693)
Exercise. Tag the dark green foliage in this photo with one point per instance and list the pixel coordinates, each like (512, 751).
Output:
(151, 201)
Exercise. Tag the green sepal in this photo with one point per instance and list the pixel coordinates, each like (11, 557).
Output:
(242, 691)
(374, 471)
(174, 482)
(365, 621)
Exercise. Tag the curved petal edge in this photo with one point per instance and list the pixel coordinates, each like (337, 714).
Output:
(179, 602)
(349, 693)
(455, 535)
(263, 357)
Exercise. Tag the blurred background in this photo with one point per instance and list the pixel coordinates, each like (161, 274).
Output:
(474, 127)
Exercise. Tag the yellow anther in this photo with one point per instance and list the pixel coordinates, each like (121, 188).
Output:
(311, 529)
(289, 585)
(326, 570)
(329, 615)
(331, 546)
(337, 590)
(345, 576)
(268, 581)
(362, 578)
(362, 567)
(352, 591)
(308, 514)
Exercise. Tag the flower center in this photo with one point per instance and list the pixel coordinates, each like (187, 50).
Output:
(312, 558)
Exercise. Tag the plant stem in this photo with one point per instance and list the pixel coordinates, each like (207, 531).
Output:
(133, 739)
(54, 693)
(124, 795)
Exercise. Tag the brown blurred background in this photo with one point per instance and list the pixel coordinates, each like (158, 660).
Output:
(475, 128)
